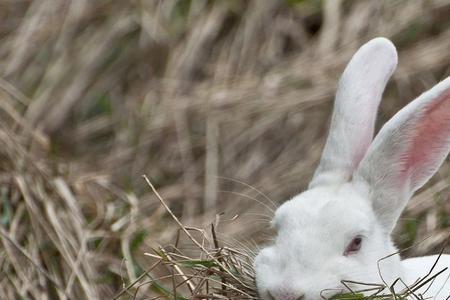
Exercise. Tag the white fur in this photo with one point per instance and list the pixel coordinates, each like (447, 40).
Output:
(360, 188)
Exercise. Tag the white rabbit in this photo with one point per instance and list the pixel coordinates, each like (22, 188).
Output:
(340, 228)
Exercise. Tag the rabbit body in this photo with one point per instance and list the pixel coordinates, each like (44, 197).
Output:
(336, 234)
(416, 267)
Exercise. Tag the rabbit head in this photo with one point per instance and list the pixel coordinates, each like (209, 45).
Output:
(339, 229)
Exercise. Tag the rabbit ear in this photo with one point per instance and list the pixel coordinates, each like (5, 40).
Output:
(356, 104)
(407, 151)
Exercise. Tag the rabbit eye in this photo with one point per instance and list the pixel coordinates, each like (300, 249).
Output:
(353, 246)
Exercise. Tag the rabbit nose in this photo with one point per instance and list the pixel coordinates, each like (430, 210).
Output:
(285, 295)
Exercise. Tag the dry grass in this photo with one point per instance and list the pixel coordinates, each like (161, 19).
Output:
(208, 98)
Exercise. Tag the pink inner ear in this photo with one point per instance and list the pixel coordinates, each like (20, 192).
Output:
(360, 142)
(360, 150)
(430, 138)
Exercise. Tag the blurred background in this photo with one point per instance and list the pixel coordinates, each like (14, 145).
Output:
(224, 105)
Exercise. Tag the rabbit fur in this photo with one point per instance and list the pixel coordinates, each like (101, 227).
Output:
(359, 190)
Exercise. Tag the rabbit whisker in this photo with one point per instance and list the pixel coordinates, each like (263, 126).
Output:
(250, 198)
(251, 187)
